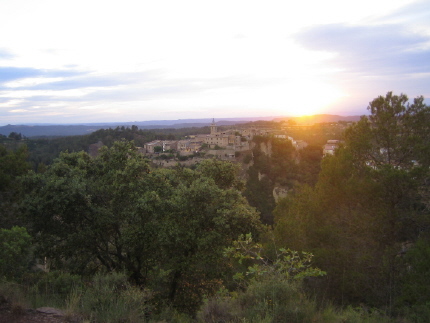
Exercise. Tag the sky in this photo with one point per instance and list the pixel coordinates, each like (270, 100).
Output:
(113, 61)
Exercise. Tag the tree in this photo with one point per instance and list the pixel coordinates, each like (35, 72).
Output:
(396, 133)
(225, 174)
(310, 164)
(368, 200)
(287, 264)
(12, 165)
(275, 168)
(395, 142)
(340, 221)
(166, 228)
(202, 220)
(15, 252)
(15, 136)
(82, 209)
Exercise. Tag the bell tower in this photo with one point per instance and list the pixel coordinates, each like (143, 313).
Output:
(214, 129)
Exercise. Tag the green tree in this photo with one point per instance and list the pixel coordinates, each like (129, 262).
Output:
(85, 212)
(166, 228)
(395, 142)
(15, 136)
(203, 219)
(276, 168)
(12, 165)
(14, 252)
(415, 290)
(396, 133)
(368, 200)
(225, 174)
(340, 222)
(310, 164)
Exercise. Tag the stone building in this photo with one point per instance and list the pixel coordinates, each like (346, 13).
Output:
(225, 139)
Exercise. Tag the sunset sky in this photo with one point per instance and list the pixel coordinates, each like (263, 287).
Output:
(108, 61)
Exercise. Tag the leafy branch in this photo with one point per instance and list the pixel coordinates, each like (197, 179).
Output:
(288, 265)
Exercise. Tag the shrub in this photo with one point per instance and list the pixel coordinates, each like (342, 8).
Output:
(56, 282)
(276, 301)
(110, 298)
(14, 252)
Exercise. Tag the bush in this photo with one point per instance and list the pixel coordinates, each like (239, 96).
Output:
(14, 252)
(56, 282)
(110, 298)
(274, 301)
(218, 310)
(278, 301)
(50, 288)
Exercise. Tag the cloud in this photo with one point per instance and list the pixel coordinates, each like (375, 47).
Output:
(372, 49)
(416, 12)
(129, 91)
(8, 74)
(11, 73)
(5, 54)
(142, 85)
(93, 80)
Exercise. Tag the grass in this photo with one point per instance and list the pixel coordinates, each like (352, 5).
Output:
(110, 298)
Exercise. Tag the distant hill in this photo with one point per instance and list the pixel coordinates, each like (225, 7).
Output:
(42, 130)
(60, 130)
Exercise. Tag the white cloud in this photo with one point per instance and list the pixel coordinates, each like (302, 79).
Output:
(144, 59)
(32, 81)
(18, 111)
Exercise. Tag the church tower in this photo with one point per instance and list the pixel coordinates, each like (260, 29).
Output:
(214, 129)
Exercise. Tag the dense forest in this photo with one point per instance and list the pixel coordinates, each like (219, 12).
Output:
(349, 241)
(43, 150)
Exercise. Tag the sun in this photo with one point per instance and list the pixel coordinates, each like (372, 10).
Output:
(313, 98)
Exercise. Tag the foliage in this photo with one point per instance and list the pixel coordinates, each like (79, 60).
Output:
(341, 221)
(102, 298)
(44, 150)
(15, 136)
(166, 228)
(276, 301)
(273, 301)
(53, 282)
(414, 297)
(367, 201)
(288, 264)
(13, 163)
(310, 164)
(225, 174)
(396, 133)
(275, 292)
(14, 252)
(110, 298)
(271, 287)
(277, 167)
(259, 194)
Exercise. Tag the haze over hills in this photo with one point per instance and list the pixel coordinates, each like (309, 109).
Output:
(38, 129)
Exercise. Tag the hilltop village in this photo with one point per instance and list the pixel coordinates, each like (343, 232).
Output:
(225, 145)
